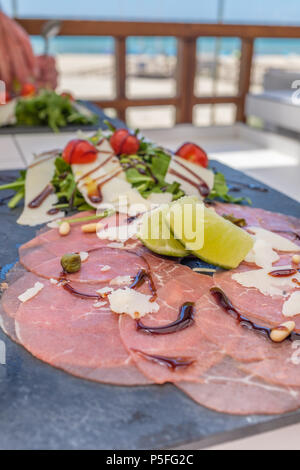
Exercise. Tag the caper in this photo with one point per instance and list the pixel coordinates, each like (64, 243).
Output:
(71, 262)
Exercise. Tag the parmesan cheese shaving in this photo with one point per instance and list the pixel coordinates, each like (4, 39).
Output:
(277, 242)
(83, 256)
(268, 285)
(105, 269)
(120, 233)
(130, 302)
(32, 292)
(38, 176)
(291, 307)
(262, 254)
(99, 304)
(103, 292)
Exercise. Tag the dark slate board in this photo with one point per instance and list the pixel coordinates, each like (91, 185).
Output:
(44, 408)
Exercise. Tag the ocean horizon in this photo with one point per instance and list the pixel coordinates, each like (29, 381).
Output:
(161, 45)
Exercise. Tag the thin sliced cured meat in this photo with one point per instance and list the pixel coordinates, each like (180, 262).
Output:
(19, 281)
(237, 341)
(240, 212)
(257, 354)
(188, 344)
(77, 241)
(287, 226)
(227, 389)
(98, 357)
(102, 265)
(82, 339)
(252, 302)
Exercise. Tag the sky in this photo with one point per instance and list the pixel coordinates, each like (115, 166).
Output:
(254, 11)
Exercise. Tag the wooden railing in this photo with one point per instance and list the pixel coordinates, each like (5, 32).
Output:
(187, 35)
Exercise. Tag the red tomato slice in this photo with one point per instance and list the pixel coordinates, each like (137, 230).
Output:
(193, 153)
(79, 152)
(28, 89)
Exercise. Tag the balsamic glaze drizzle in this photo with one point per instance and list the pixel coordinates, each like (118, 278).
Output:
(53, 211)
(139, 280)
(172, 363)
(38, 200)
(73, 291)
(283, 272)
(223, 301)
(96, 196)
(184, 320)
(202, 186)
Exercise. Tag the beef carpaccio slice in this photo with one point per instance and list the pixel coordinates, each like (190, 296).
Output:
(120, 262)
(256, 353)
(70, 333)
(188, 344)
(251, 302)
(51, 241)
(227, 389)
(285, 225)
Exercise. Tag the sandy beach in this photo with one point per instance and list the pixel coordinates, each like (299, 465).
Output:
(91, 76)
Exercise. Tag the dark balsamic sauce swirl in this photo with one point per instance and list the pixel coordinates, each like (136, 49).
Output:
(223, 301)
(53, 211)
(139, 280)
(184, 320)
(172, 363)
(283, 272)
(38, 200)
(75, 292)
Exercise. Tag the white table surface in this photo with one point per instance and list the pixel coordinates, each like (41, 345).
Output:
(270, 159)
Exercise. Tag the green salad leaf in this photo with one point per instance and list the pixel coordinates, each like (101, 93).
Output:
(50, 109)
(147, 171)
(69, 196)
(18, 186)
(221, 191)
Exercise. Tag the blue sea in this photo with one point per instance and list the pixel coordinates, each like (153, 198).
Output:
(162, 45)
(229, 11)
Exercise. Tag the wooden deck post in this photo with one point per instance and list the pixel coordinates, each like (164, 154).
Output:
(120, 78)
(245, 76)
(186, 72)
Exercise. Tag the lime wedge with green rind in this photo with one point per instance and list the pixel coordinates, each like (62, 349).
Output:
(156, 235)
(224, 243)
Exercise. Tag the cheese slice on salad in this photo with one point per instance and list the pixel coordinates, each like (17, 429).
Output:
(39, 175)
(187, 174)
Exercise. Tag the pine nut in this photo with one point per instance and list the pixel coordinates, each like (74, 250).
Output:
(92, 228)
(64, 229)
(282, 332)
(296, 259)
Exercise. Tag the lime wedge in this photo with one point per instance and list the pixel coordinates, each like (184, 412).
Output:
(156, 235)
(220, 242)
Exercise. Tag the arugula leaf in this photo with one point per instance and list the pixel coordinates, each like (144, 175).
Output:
(19, 187)
(69, 197)
(147, 171)
(50, 109)
(221, 191)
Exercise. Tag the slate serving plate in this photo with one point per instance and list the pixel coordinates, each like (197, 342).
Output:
(44, 408)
